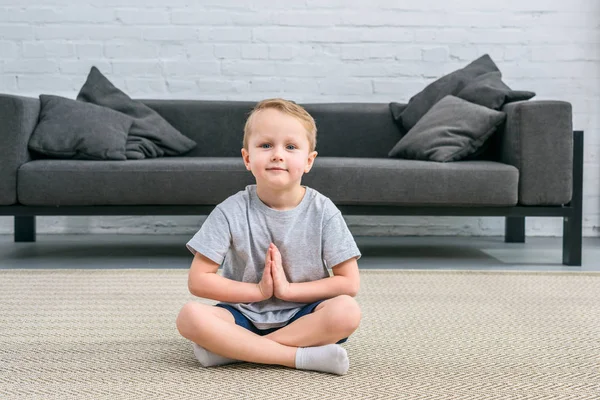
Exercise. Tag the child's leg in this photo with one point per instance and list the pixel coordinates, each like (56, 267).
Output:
(220, 335)
(332, 320)
(209, 359)
(198, 323)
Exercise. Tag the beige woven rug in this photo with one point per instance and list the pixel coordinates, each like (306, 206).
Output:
(110, 334)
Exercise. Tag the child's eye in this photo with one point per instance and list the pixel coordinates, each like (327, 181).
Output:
(290, 147)
(265, 145)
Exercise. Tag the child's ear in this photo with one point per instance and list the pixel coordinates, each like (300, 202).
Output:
(246, 158)
(311, 160)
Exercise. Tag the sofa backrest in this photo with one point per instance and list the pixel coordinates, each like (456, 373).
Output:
(343, 129)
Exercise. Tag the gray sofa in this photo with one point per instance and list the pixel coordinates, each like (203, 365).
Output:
(533, 168)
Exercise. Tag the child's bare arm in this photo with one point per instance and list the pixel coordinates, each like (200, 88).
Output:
(346, 280)
(203, 281)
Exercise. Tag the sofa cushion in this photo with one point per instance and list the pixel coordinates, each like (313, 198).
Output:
(345, 129)
(166, 180)
(450, 131)
(72, 129)
(379, 181)
(210, 180)
(396, 109)
(150, 135)
(487, 91)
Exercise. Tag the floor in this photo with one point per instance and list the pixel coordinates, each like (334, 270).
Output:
(156, 251)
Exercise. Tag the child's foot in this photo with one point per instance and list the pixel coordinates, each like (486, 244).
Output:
(330, 358)
(208, 359)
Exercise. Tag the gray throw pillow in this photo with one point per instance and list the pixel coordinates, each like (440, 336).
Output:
(479, 82)
(488, 90)
(72, 129)
(396, 109)
(150, 135)
(452, 130)
(451, 83)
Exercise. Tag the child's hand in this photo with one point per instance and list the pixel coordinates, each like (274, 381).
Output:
(266, 283)
(281, 286)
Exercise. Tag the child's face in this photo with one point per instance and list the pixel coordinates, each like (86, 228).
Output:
(278, 150)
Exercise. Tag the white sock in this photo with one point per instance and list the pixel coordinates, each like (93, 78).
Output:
(208, 359)
(331, 358)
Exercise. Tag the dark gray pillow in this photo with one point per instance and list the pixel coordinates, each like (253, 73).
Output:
(396, 109)
(480, 82)
(72, 129)
(488, 90)
(150, 135)
(452, 130)
(452, 83)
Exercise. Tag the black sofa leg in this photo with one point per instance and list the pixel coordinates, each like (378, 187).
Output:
(572, 241)
(572, 224)
(514, 230)
(25, 228)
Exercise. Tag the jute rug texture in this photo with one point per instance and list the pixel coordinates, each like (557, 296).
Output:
(110, 334)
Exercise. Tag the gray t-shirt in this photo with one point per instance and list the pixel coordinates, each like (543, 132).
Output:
(311, 237)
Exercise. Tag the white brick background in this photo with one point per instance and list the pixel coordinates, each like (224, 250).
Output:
(308, 51)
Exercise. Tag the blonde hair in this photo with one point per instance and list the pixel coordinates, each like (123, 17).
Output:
(287, 107)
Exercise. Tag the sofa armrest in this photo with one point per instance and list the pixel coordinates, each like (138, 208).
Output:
(538, 141)
(18, 116)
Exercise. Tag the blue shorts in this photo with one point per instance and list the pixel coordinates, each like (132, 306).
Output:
(244, 322)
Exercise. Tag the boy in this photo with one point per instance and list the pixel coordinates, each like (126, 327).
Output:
(278, 304)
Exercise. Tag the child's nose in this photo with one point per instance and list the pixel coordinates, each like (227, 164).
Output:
(277, 154)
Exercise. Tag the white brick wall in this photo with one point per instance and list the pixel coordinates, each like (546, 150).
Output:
(311, 50)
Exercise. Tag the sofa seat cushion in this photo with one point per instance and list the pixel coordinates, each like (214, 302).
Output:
(170, 180)
(210, 180)
(375, 181)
